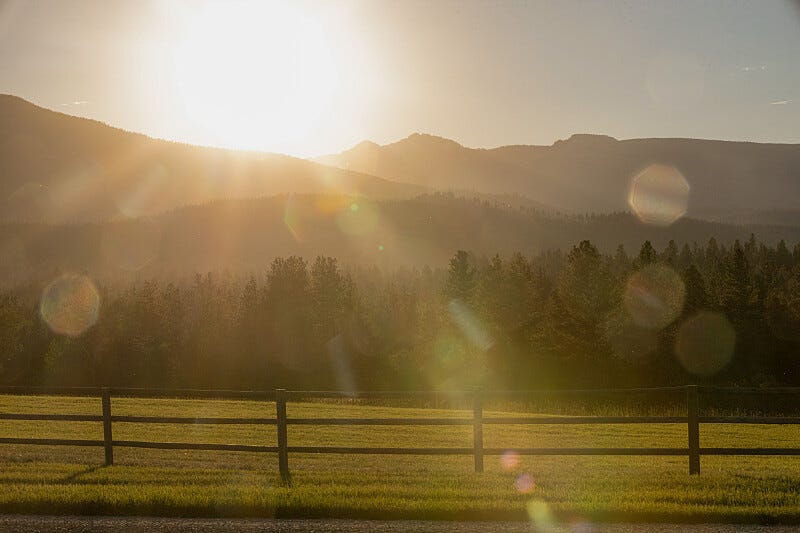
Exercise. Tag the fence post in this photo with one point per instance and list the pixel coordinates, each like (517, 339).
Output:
(477, 429)
(283, 451)
(107, 438)
(693, 418)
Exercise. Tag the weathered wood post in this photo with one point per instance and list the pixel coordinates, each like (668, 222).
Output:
(283, 450)
(693, 418)
(108, 442)
(477, 429)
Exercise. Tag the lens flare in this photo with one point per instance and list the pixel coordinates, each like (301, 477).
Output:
(448, 351)
(659, 195)
(292, 219)
(340, 364)
(147, 194)
(540, 514)
(70, 304)
(359, 218)
(654, 296)
(330, 204)
(469, 325)
(509, 460)
(525, 483)
(705, 343)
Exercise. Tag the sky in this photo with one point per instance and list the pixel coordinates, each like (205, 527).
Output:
(308, 78)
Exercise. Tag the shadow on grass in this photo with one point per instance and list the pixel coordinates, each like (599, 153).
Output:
(74, 476)
(323, 512)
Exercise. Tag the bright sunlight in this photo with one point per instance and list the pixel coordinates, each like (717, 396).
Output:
(252, 74)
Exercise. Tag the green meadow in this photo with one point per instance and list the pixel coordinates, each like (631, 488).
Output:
(47, 479)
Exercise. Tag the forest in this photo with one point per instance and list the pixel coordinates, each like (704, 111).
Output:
(576, 318)
(243, 236)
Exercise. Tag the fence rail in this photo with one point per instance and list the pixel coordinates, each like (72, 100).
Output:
(281, 397)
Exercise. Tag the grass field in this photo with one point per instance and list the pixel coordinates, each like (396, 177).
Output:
(43, 479)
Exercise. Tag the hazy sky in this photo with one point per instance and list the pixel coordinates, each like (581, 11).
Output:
(308, 78)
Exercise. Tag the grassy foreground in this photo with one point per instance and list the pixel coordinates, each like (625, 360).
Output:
(36, 479)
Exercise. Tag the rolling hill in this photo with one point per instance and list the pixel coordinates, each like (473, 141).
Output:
(78, 195)
(57, 168)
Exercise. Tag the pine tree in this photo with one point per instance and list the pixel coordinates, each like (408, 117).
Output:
(621, 264)
(647, 255)
(670, 254)
(696, 296)
(584, 296)
(461, 277)
(736, 285)
(685, 258)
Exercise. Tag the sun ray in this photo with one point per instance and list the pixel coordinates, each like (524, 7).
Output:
(253, 74)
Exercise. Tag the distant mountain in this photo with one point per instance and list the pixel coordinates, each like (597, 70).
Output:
(593, 173)
(245, 235)
(59, 168)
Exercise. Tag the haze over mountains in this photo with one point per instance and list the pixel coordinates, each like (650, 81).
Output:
(78, 195)
(59, 168)
(732, 181)
(246, 235)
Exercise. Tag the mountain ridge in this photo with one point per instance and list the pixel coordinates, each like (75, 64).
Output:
(56, 167)
(593, 172)
(572, 137)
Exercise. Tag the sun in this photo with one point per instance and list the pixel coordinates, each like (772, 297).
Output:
(253, 75)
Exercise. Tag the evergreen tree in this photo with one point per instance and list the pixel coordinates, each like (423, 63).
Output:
(288, 301)
(736, 285)
(696, 296)
(584, 296)
(621, 264)
(647, 255)
(670, 254)
(331, 298)
(686, 257)
(461, 277)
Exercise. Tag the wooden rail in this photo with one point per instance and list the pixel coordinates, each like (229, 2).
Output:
(281, 397)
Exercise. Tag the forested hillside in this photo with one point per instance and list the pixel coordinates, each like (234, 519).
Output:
(126, 260)
(242, 236)
(580, 318)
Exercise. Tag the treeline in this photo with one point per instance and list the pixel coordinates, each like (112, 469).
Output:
(559, 319)
(244, 236)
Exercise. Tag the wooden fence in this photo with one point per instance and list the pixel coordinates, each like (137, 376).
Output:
(282, 447)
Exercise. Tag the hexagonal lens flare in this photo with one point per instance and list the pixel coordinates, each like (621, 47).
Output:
(659, 195)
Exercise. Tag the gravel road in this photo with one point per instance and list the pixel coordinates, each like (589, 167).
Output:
(59, 524)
